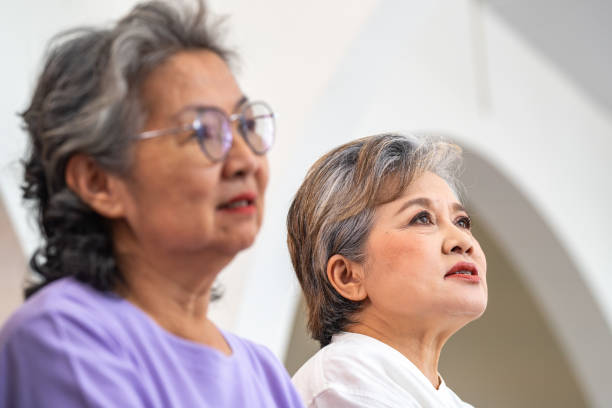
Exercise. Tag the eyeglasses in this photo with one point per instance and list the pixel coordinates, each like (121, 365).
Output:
(212, 128)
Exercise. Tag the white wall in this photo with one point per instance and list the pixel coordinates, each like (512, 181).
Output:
(334, 72)
(415, 66)
(457, 69)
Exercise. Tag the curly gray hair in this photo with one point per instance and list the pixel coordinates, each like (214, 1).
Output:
(87, 100)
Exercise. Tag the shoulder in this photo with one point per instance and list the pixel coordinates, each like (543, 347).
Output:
(266, 369)
(244, 348)
(330, 365)
(348, 359)
(347, 367)
(259, 357)
(66, 310)
(65, 341)
(451, 398)
(352, 368)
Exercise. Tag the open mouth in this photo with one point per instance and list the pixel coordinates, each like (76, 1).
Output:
(236, 204)
(243, 203)
(464, 270)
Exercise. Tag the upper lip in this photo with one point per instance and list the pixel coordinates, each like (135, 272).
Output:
(463, 266)
(248, 196)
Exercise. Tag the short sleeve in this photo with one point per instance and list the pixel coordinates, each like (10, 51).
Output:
(269, 373)
(58, 360)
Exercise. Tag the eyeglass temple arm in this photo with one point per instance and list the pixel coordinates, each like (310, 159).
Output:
(162, 132)
(237, 116)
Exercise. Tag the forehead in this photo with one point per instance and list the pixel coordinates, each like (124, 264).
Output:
(428, 186)
(190, 78)
(432, 186)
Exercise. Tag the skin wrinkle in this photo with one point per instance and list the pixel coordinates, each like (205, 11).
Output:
(365, 266)
(173, 239)
(332, 194)
(412, 306)
(87, 102)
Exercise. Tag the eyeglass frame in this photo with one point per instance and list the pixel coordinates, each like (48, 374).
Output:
(150, 134)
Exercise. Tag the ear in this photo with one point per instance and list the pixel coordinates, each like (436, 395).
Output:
(347, 277)
(95, 186)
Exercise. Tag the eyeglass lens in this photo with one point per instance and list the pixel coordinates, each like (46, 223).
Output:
(213, 133)
(255, 123)
(257, 126)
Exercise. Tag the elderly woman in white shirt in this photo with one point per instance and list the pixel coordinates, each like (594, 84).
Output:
(383, 250)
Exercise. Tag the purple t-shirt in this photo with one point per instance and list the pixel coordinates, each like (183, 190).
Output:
(73, 346)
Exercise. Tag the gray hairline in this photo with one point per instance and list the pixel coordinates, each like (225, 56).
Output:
(446, 170)
(333, 211)
(87, 100)
(117, 108)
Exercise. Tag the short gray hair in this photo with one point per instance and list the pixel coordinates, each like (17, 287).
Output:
(333, 210)
(87, 100)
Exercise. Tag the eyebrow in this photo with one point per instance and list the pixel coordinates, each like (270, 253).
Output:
(458, 208)
(426, 202)
(240, 102)
(196, 107)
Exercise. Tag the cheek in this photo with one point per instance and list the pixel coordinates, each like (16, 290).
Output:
(480, 258)
(263, 175)
(399, 269)
(172, 200)
(180, 189)
(483, 261)
(400, 254)
(261, 178)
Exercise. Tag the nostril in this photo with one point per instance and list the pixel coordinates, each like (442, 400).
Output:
(457, 249)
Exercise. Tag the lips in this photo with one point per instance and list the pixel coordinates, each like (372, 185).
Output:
(242, 204)
(463, 271)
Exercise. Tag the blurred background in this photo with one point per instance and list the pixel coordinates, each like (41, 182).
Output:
(523, 86)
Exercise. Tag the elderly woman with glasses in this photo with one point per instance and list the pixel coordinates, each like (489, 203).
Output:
(389, 268)
(147, 169)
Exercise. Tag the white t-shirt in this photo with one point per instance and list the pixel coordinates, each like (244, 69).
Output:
(355, 370)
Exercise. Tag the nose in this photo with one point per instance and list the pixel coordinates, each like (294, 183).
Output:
(457, 241)
(240, 160)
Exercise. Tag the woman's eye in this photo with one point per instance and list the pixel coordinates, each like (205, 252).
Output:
(202, 131)
(464, 222)
(250, 124)
(421, 218)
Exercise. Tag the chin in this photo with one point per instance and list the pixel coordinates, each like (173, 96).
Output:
(238, 243)
(246, 243)
(468, 308)
(248, 236)
(236, 237)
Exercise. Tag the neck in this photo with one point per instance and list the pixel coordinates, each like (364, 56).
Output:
(419, 344)
(173, 289)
